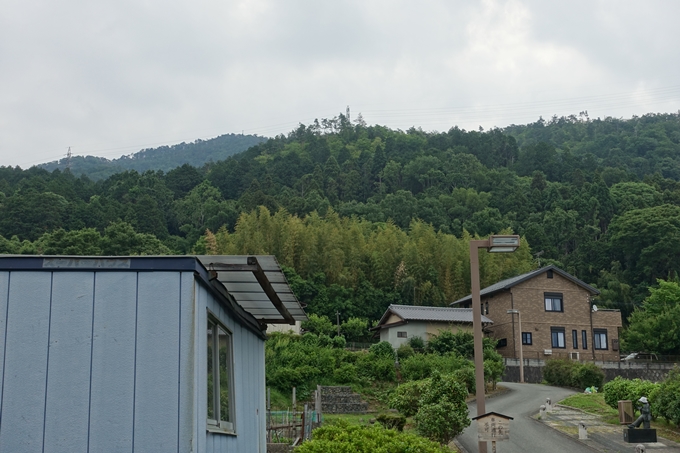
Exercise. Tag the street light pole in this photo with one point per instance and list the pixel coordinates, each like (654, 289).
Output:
(477, 331)
(521, 342)
(495, 244)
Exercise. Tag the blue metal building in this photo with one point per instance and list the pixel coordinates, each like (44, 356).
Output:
(145, 354)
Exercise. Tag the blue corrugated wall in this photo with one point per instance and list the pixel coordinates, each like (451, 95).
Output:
(104, 362)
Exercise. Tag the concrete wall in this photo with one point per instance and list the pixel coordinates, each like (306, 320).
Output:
(533, 370)
(528, 298)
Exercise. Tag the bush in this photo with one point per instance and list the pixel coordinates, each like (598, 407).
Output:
(391, 421)
(377, 368)
(466, 376)
(382, 349)
(461, 342)
(341, 437)
(405, 351)
(406, 397)
(588, 375)
(630, 389)
(417, 343)
(319, 325)
(558, 372)
(421, 366)
(346, 374)
(666, 399)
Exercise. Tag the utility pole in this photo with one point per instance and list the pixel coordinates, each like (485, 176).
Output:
(68, 159)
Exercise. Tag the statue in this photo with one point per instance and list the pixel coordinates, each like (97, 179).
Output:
(645, 415)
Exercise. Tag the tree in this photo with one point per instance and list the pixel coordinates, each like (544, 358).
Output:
(655, 327)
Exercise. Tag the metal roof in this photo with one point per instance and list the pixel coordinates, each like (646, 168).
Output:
(436, 314)
(258, 285)
(510, 282)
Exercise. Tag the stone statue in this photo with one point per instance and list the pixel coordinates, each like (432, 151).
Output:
(645, 415)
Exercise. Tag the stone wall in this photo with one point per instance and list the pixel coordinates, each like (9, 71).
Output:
(341, 400)
(533, 370)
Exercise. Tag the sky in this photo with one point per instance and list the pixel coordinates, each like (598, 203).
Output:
(111, 77)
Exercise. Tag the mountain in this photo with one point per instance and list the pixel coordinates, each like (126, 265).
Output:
(163, 158)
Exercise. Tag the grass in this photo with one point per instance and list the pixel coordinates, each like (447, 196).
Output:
(594, 404)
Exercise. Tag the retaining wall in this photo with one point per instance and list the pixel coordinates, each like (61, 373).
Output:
(533, 370)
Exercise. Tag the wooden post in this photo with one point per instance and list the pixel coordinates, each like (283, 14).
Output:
(302, 431)
(294, 413)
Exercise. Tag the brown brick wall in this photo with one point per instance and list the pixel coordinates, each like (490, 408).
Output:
(528, 298)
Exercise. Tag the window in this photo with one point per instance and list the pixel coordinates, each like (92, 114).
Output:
(574, 338)
(503, 342)
(600, 338)
(553, 302)
(220, 369)
(486, 308)
(584, 339)
(401, 334)
(549, 273)
(557, 337)
(526, 338)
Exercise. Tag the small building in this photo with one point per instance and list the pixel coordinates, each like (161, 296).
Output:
(557, 317)
(403, 322)
(148, 354)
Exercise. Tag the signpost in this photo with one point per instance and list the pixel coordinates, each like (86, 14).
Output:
(491, 427)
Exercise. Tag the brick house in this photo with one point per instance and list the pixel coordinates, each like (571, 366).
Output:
(557, 317)
(400, 323)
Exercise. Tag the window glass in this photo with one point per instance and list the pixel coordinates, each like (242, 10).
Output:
(526, 338)
(600, 339)
(219, 376)
(224, 374)
(401, 334)
(584, 339)
(211, 388)
(553, 303)
(574, 338)
(557, 337)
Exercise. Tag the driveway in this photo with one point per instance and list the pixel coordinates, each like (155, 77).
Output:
(526, 434)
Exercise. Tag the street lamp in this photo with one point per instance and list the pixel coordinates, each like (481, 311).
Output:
(521, 341)
(494, 244)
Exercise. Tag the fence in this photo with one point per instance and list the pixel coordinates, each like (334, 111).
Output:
(290, 425)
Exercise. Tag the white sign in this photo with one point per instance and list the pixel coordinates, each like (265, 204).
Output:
(492, 427)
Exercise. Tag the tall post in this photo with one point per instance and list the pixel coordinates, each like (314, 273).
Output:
(477, 330)
(521, 348)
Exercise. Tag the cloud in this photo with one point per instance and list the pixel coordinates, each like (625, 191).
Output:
(112, 77)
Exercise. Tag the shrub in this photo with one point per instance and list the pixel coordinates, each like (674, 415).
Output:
(346, 374)
(588, 375)
(391, 421)
(406, 397)
(404, 351)
(666, 400)
(466, 376)
(319, 325)
(382, 349)
(377, 368)
(461, 342)
(341, 437)
(421, 366)
(417, 343)
(559, 372)
(630, 389)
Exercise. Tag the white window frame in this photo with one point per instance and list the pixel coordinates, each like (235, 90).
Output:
(216, 424)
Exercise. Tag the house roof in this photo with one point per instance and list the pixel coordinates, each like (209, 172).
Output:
(434, 314)
(510, 282)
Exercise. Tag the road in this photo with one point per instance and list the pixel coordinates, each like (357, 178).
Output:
(526, 435)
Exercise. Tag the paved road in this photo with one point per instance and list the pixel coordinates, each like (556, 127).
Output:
(526, 435)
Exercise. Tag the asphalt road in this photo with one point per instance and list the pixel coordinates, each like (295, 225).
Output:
(526, 435)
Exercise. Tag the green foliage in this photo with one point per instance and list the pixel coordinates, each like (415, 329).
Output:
(391, 421)
(421, 366)
(567, 373)
(655, 327)
(355, 329)
(383, 350)
(629, 389)
(437, 404)
(405, 351)
(462, 342)
(319, 325)
(341, 437)
(666, 400)
(417, 343)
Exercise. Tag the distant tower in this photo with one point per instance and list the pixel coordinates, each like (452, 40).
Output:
(349, 120)
(68, 159)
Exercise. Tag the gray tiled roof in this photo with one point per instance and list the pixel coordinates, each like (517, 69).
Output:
(510, 282)
(442, 314)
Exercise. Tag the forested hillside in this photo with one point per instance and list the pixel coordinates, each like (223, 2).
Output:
(197, 154)
(363, 216)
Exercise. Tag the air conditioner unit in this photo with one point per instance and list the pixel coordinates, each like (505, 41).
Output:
(547, 351)
(573, 355)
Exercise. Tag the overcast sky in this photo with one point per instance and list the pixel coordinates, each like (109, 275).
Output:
(110, 77)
